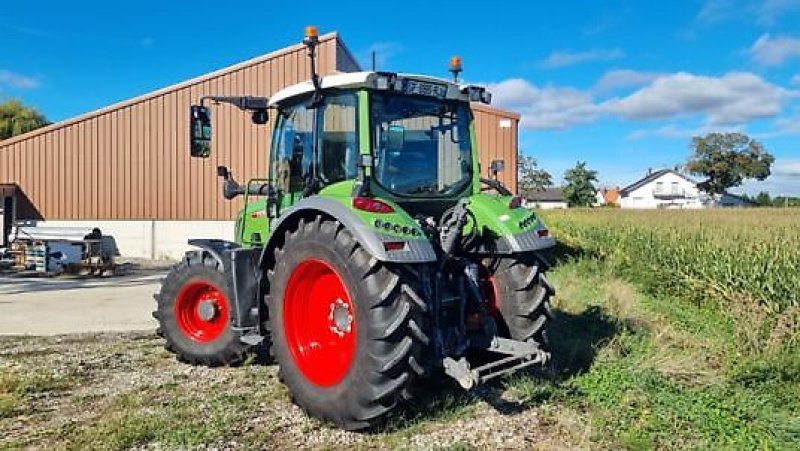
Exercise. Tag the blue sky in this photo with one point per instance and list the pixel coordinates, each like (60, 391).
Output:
(621, 85)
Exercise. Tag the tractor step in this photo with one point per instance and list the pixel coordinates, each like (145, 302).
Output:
(518, 355)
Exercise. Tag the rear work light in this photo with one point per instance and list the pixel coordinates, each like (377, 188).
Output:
(516, 202)
(372, 205)
(394, 246)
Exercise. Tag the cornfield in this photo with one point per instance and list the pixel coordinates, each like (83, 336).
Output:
(712, 256)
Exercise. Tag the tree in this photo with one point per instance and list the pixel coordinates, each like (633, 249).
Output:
(726, 160)
(531, 178)
(16, 119)
(580, 190)
(763, 199)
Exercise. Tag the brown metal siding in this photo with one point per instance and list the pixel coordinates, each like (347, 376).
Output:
(130, 161)
(496, 142)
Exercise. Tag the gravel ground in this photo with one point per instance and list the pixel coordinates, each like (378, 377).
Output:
(123, 390)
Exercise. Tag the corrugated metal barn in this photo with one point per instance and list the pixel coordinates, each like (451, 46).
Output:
(126, 167)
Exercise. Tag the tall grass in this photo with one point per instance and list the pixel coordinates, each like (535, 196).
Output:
(746, 257)
(705, 343)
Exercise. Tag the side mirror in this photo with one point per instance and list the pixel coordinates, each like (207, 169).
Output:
(260, 117)
(395, 137)
(497, 166)
(200, 131)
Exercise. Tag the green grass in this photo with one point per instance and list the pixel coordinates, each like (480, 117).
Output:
(620, 364)
(17, 388)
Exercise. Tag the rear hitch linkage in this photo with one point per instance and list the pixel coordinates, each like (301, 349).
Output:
(519, 355)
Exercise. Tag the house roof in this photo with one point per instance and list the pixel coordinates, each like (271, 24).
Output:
(739, 197)
(548, 195)
(649, 178)
(611, 195)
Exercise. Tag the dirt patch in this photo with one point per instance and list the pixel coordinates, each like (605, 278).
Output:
(122, 390)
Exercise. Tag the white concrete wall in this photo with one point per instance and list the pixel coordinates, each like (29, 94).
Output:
(153, 239)
(549, 205)
(643, 197)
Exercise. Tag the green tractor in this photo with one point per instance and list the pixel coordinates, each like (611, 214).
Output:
(372, 258)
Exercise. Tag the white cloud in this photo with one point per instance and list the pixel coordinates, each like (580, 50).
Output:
(17, 81)
(721, 99)
(795, 80)
(785, 167)
(673, 131)
(770, 51)
(762, 12)
(547, 107)
(714, 11)
(637, 135)
(768, 12)
(564, 58)
(785, 179)
(723, 103)
(624, 78)
(788, 125)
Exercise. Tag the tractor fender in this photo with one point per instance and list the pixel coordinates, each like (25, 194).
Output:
(242, 275)
(415, 250)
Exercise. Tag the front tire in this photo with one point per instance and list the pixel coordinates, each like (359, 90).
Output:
(345, 332)
(193, 313)
(518, 291)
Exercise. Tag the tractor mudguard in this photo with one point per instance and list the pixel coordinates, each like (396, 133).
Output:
(243, 277)
(505, 230)
(414, 251)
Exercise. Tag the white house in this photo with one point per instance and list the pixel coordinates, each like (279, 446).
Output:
(669, 189)
(662, 189)
(548, 199)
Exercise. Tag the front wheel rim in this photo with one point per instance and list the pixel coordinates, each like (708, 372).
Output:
(319, 322)
(201, 311)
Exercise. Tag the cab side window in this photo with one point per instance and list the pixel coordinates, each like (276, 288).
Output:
(338, 138)
(292, 163)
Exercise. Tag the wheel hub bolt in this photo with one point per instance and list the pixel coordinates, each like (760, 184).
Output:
(207, 310)
(340, 318)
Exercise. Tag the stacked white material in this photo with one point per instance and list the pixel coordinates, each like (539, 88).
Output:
(53, 233)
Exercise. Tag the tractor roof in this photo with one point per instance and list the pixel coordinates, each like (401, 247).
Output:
(366, 79)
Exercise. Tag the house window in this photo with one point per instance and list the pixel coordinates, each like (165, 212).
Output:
(675, 188)
(659, 187)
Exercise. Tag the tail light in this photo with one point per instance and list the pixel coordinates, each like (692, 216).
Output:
(543, 233)
(516, 202)
(372, 205)
(394, 246)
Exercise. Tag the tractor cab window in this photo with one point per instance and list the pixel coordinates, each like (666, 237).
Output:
(291, 164)
(338, 140)
(422, 145)
(294, 164)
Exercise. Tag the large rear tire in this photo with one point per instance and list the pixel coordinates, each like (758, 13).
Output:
(193, 313)
(345, 330)
(519, 292)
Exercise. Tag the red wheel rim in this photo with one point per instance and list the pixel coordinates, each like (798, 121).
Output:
(489, 291)
(201, 311)
(319, 322)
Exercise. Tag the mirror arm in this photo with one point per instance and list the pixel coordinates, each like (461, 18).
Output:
(244, 103)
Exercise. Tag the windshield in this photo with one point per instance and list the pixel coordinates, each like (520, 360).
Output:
(422, 145)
